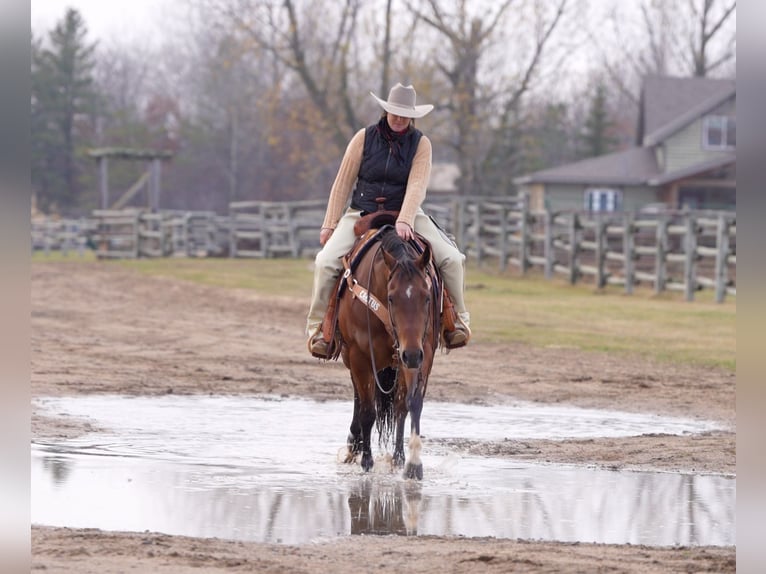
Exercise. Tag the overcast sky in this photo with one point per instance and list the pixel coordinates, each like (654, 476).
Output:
(105, 19)
(137, 18)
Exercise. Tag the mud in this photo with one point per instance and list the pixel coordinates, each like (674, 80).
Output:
(97, 328)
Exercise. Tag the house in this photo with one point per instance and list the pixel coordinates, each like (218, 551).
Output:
(685, 155)
(443, 182)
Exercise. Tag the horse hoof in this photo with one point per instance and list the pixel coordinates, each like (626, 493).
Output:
(397, 461)
(367, 462)
(414, 471)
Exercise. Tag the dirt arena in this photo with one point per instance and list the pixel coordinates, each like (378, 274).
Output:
(98, 328)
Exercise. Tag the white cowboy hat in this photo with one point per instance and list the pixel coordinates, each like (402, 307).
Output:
(401, 102)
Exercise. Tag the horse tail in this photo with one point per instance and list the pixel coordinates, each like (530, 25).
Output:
(385, 419)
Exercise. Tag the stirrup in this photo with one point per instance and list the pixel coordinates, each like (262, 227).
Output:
(317, 346)
(457, 338)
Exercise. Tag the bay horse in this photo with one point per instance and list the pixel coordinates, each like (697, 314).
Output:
(389, 329)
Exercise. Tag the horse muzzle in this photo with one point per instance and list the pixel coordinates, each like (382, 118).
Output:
(412, 358)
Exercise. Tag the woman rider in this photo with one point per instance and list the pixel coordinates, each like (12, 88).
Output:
(390, 160)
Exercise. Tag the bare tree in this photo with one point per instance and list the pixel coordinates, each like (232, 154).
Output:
(314, 41)
(710, 20)
(695, 38)
(470, 38)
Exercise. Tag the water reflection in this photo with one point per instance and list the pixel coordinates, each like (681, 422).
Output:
(378, 506)
(464, 497)
(267, 470)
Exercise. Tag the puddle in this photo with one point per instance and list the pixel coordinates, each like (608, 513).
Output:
(267, 471)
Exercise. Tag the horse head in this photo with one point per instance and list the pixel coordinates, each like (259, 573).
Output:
(409, 297)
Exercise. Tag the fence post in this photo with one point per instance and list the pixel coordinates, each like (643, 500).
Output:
(548, 246)
(459, 222)
(659, 263)
(628, 252)
(477, 233)
(690, 251)
(600, 251)
(504, 243)
(573, 247)
(524, 239)
(722, 243)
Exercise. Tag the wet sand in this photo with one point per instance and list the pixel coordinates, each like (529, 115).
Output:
(97, 328)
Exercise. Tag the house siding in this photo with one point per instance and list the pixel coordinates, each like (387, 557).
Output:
(684, 148)
(562, 197)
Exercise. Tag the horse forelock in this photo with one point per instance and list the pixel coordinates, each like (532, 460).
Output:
(401, 251)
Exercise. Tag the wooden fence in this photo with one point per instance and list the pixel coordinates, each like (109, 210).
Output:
(674, 250)
(64, 235)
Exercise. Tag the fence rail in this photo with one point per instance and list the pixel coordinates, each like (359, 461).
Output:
(671, 251)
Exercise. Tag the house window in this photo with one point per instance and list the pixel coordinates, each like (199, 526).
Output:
(719, 132)
(603, 199)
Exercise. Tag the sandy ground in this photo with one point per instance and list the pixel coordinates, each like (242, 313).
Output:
(97, 328)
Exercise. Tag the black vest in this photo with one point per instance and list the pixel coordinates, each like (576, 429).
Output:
(383, 172)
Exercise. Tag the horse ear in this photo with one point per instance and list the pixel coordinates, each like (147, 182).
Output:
(389, 259)
(425, 257)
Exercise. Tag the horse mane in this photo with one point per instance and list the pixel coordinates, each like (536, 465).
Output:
(400, 250)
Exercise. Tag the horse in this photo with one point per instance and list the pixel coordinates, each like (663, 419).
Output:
(389, 330)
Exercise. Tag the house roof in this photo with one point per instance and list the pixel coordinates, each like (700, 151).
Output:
(696, 169)
(633, 166)
(668, 104)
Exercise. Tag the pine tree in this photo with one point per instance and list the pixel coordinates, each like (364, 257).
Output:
(63, 99)
(596, 139)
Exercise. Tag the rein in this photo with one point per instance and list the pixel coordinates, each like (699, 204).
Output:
(381, 311)
(389, 328)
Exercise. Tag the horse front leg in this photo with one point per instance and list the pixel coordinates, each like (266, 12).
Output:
(414, 466)
(354, 440)
(366, 420)
(398, 459)
(364, 411)
(400, 408)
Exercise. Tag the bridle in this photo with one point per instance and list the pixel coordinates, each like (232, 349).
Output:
(383, 312)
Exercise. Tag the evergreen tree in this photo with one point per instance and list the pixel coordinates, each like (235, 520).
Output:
(63, 101)
(596, 138)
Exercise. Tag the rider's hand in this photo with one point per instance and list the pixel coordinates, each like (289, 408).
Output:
(324, 235)
(404, 231)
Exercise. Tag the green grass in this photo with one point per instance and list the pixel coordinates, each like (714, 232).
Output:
(554, 313)
(507, 308)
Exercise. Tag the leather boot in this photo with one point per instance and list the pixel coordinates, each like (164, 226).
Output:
(318, 347)
(460, 335)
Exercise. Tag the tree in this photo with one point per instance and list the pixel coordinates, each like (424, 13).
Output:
(690, 38)
(63, 101)
(475, 103)
(710, 20)
(596, 137)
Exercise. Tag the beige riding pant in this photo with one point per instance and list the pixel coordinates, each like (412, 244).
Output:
(328, 264)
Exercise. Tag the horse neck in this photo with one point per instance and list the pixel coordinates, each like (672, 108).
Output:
(378, 284)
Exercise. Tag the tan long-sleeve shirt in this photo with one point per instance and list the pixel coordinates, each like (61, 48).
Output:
(417, 183)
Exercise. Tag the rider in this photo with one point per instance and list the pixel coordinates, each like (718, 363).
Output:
(389, 161)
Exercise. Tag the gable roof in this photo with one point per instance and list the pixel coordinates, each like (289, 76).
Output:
(633, 166)
(668, 104)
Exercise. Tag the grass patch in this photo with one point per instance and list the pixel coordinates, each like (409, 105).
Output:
(505, 308)
(288, 277)
(553, 313)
